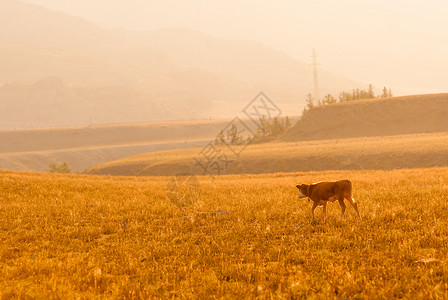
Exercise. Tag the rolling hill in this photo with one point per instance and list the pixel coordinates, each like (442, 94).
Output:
(380, 153)
(402, 132)
(373, 117)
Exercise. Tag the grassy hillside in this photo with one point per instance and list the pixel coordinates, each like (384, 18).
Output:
(376, 117)
(402, 151)
(244, 237)
(401, 132)
(80, 159)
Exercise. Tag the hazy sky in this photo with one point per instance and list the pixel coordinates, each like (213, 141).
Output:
(399, 43)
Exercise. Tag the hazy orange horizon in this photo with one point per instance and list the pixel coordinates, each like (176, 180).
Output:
(401, 44)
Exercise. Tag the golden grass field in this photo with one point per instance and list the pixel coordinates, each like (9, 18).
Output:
(246, 236)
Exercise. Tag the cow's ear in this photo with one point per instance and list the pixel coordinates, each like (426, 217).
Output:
(298, 186)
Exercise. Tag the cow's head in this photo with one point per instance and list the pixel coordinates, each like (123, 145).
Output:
(302, 188)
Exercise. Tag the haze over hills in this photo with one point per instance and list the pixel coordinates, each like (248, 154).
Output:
(381, 42)
(50, 102)
(104, 75)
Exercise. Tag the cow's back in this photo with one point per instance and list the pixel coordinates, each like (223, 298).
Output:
(343, 188)
(331, 189)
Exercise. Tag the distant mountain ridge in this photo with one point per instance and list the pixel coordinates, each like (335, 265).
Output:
(50, 102)
(169, 66)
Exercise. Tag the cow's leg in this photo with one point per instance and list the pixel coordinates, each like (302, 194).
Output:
(342, 204)
(325, 210)
(354, 204)
(314, 207)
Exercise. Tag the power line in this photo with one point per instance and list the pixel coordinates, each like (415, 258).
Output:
(315, 75)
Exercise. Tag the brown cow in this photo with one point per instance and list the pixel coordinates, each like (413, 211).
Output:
(325, 191)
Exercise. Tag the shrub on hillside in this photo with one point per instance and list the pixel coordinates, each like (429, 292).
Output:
(63, 168)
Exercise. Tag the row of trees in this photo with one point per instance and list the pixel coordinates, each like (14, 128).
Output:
(232, 136)
(355, 94)
(271, 128)
(267, 129)
(62, 168)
